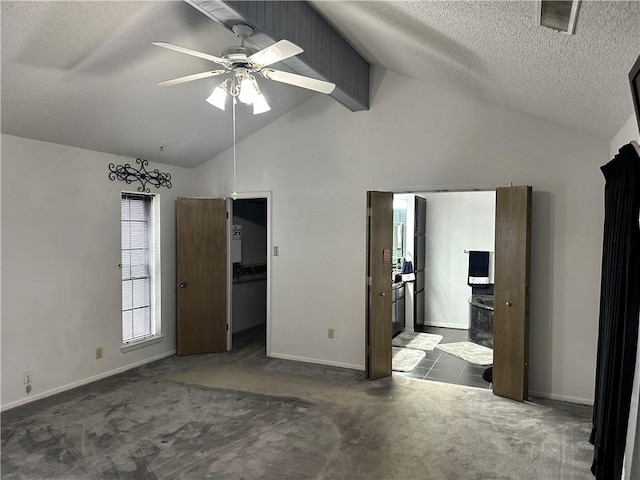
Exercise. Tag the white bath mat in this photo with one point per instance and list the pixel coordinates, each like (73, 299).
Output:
(417, 341)
(405, 359)
(471, 352)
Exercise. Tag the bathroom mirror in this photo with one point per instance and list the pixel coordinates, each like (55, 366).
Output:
(398, 243)
(399, 233)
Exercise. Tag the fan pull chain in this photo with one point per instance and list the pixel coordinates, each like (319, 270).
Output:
(234, 195)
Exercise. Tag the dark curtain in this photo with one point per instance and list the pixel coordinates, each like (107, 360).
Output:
(619, 310)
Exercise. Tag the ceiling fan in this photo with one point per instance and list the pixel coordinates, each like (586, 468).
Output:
(242, 62)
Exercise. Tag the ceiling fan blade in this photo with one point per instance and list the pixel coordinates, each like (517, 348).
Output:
(275, 53)
(189, 78)
(193, 53)
(298, 80)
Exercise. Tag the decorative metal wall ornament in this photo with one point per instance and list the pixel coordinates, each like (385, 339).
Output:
(129, 174)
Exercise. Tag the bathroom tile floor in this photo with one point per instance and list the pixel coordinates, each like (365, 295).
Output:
(444, 367)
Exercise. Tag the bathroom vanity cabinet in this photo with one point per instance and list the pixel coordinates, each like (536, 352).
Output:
(397, 307)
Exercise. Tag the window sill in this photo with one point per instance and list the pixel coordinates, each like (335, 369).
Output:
(127, 347)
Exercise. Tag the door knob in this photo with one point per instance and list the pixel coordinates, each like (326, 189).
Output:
(508, 304)
(183, 284)
(383, 294)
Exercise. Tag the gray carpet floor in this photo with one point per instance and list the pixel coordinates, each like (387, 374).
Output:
(240, 415)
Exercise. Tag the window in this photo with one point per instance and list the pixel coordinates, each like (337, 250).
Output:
(140, 267)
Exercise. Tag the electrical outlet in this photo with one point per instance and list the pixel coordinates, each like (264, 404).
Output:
(26, 376)
(98, 353)
(330, 333)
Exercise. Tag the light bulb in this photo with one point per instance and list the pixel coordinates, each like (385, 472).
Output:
(218, 97)
(248, 90)
(260, 104)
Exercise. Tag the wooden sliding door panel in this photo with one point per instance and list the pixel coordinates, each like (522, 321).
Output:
(511, 292)
(378, 291)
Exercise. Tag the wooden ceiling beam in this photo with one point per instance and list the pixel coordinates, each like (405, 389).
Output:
(326, 56)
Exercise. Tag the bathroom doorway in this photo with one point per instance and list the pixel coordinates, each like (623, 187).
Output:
(510, 356)
(440, 301)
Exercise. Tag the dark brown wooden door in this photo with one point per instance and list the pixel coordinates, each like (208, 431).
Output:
(201, 275)
(511, 292)
(378, 310)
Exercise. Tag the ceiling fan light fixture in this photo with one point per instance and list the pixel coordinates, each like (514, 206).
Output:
(248, 90)
(242, 64)
(218, 97)
(260, 104)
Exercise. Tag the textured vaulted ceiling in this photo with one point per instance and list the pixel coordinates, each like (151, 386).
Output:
(84, 73)
(496, 51)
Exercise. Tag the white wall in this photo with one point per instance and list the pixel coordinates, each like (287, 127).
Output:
(320, 159)
(249, 304)
(60, 278)
(456, 221)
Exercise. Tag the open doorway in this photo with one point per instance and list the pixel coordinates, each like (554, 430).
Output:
(510, 356)
(249, 259)
(443, 284)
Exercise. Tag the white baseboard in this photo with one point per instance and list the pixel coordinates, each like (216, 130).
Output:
(447, 325)
(84, 381)
(316, 361)
(562, 398)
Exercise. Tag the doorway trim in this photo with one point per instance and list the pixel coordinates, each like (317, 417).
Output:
(249, 196)
(519, 396)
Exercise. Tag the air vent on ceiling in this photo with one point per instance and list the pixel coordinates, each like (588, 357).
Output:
(558, 15)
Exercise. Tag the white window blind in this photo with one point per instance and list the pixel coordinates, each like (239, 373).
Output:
(138, 265)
